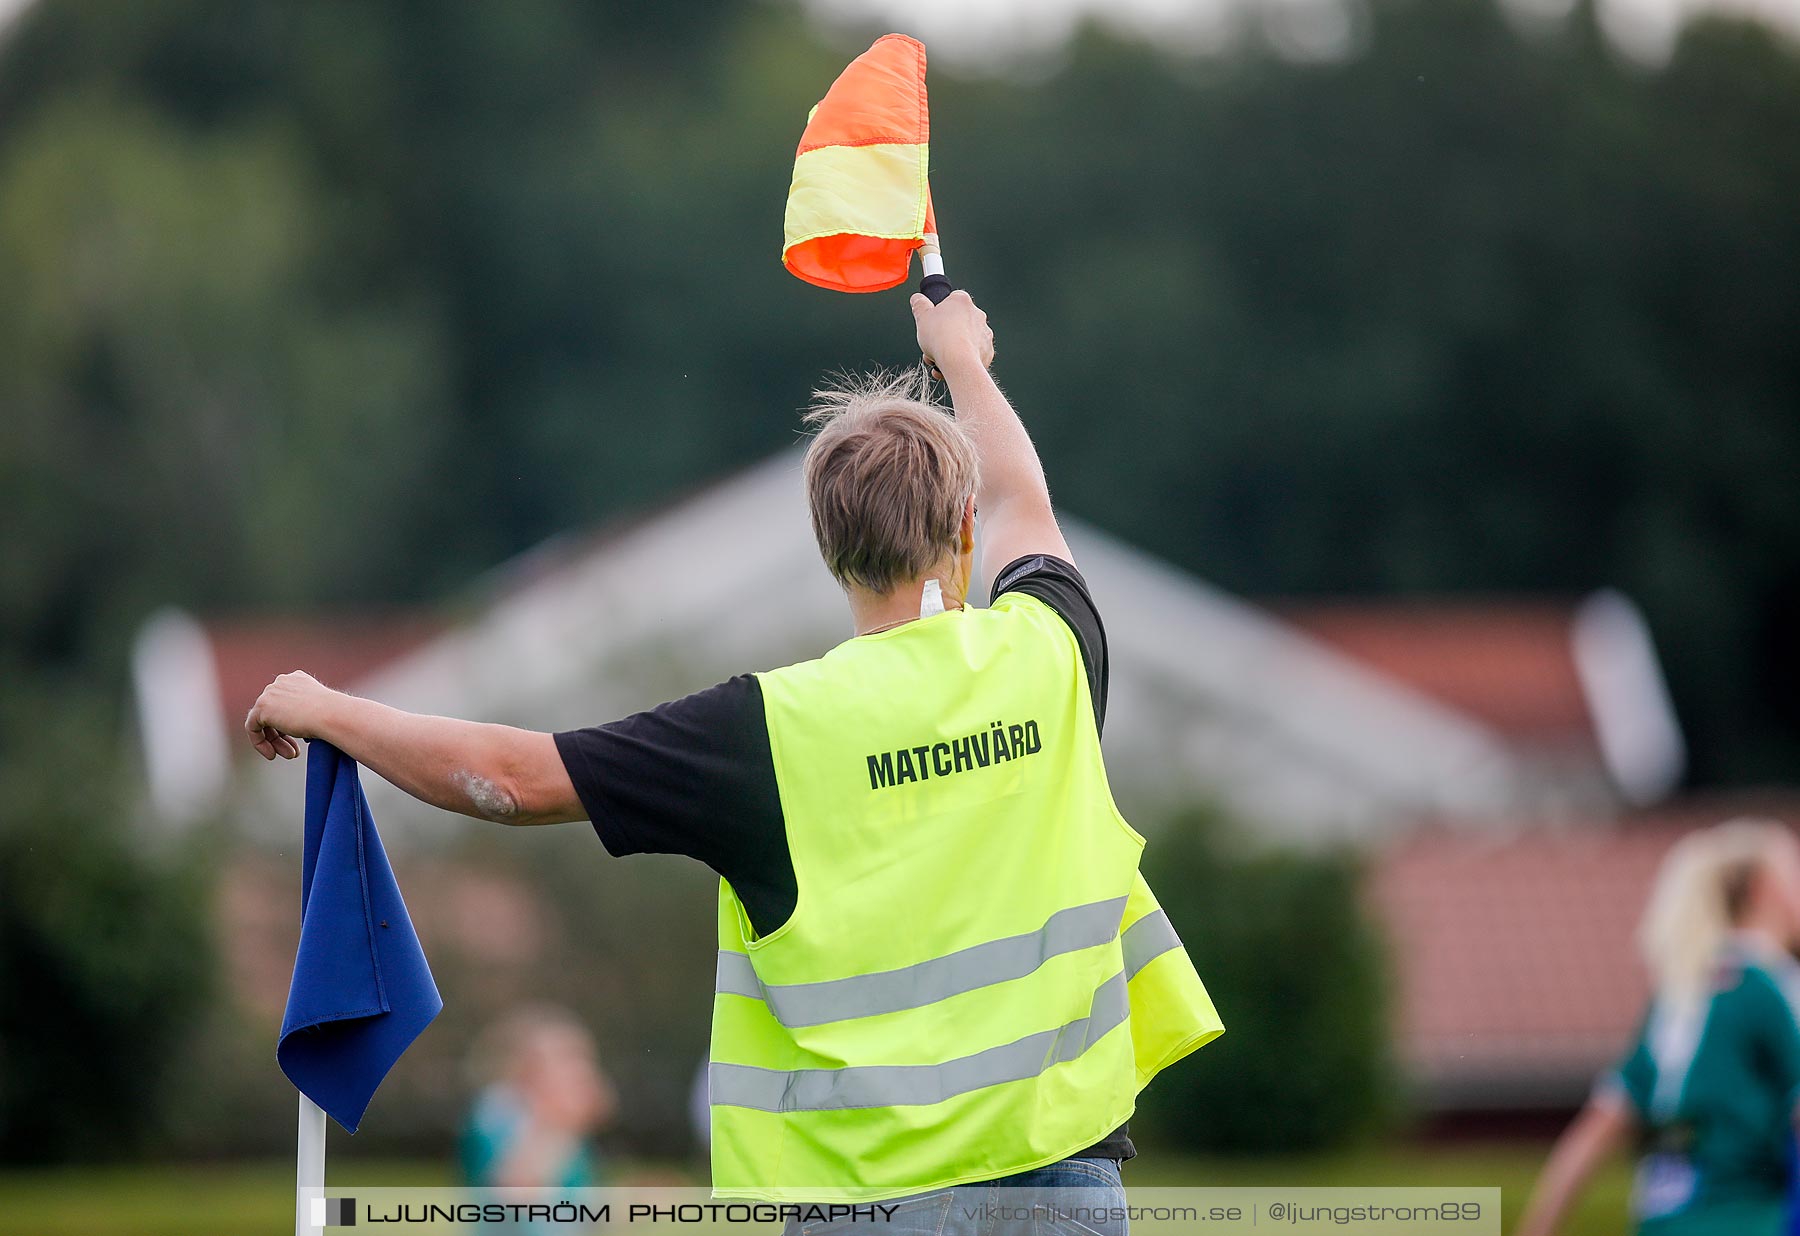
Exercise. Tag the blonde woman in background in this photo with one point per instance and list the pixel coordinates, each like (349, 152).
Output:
(542, 1097)
(1709, 1088)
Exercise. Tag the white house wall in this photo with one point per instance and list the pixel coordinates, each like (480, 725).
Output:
(1211, 697)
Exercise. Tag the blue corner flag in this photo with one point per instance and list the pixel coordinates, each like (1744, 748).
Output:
(361, 991)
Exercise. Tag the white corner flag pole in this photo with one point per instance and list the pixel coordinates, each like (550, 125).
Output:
(931, 257)
(309, 1160)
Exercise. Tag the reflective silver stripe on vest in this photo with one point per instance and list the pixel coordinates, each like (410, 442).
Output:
(927, 982)
(1146, 940)
(915, 1085)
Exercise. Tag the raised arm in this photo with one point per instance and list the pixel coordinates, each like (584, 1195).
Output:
(1013, 500)
(1602, 1127)
(491, 772)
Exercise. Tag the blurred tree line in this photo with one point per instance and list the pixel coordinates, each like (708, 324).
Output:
(1299, 974)
(345, 301)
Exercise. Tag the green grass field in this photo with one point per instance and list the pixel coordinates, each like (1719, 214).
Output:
(232, 1199)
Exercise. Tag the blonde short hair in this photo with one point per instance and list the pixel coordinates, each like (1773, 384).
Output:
(887, 478)
(500, 1049)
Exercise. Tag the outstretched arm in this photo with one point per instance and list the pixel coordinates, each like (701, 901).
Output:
(491, 772)
(1600, 1129)
(1013, 499)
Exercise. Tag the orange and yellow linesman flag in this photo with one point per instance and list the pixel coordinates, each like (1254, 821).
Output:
(860, 202)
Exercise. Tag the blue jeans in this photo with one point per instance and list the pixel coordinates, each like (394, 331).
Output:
(1076, 1197)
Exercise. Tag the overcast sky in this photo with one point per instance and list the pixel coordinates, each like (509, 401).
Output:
(977, 31)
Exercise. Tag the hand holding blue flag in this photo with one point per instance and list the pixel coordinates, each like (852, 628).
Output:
(361, 991)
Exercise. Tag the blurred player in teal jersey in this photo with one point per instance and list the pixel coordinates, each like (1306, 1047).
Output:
(1709, 1087)
(543, 1096)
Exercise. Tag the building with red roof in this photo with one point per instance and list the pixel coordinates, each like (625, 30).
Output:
(1499, 761)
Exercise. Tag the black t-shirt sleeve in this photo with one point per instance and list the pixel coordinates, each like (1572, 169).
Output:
(694, 776)
(1060, 586)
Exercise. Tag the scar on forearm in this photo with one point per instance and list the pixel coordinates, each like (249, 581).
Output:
(489, 800)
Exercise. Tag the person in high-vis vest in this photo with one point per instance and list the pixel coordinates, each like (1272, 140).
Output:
(938, 964)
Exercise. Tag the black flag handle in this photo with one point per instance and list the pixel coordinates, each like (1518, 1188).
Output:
(935, 288)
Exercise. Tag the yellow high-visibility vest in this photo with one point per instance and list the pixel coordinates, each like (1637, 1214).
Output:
(975, 980)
